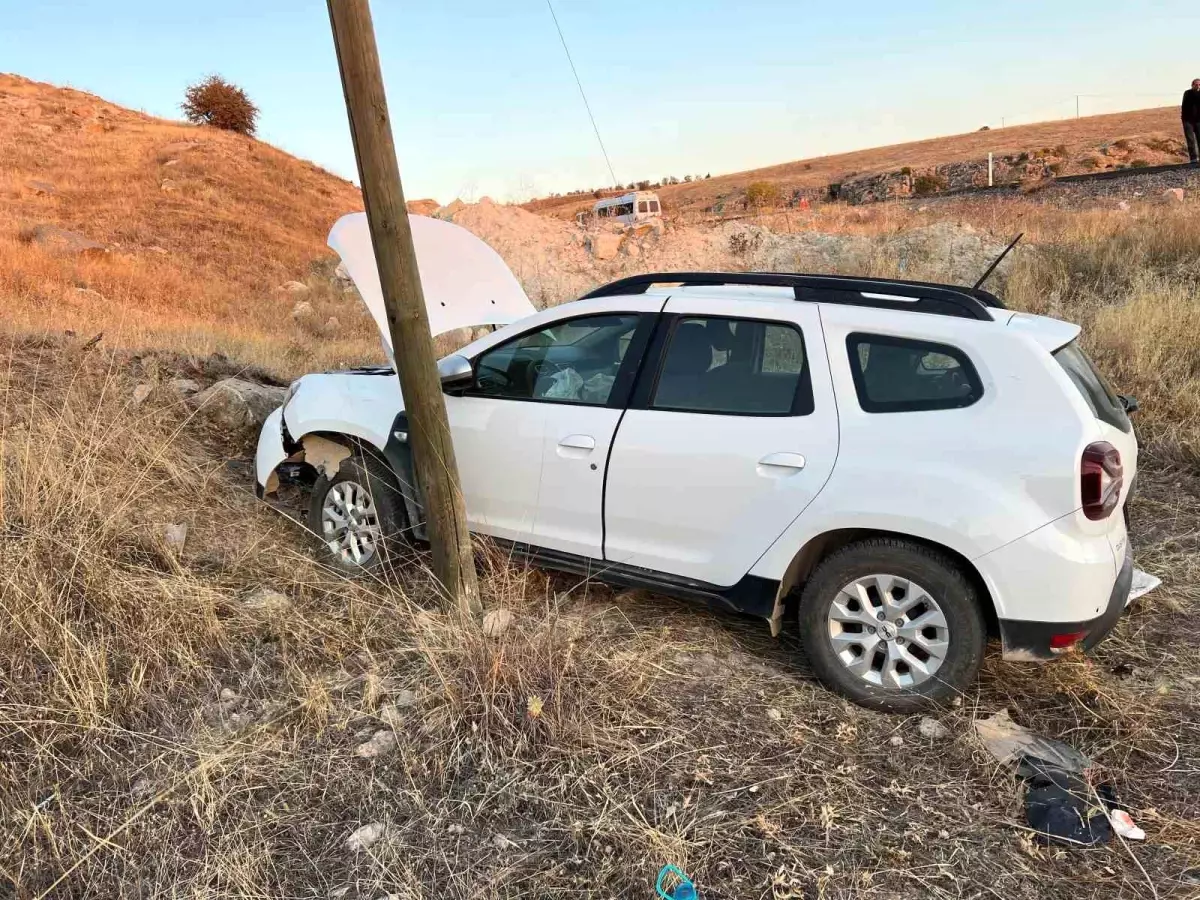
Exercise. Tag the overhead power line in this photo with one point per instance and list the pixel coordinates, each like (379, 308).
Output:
(582, 94)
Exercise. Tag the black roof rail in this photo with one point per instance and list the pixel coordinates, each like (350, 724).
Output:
(881, 293)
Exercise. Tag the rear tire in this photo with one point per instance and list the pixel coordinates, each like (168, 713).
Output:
(892, 625)
(359, 513)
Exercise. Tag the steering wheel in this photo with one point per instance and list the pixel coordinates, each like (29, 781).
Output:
(498, 377)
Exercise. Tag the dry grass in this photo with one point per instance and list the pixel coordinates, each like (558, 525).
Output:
(603, 736)
(161, 737)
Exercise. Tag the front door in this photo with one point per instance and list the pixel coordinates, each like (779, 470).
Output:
(726, 444)
(533, 433)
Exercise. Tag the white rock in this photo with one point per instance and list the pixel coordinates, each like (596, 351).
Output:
(364, 837)
(294, 287)
(1123, 206)
(185, 386)
(404, 698)
(933, 729)
(896, 740)
(774, 715)
(302, 310)
(604, 246)
(1173, 195)
(235, 405)
(265, 599)
(381, 743)
(228, 694)
(496, 622)
(141, 392)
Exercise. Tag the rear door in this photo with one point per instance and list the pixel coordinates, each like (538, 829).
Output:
(731, 433)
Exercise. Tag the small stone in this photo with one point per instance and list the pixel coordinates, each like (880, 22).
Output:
(184, 386)
(943, 835)
(404, 698)
(896, 740)
(774, 715)
(89, 294)
(302, 310)
(175, 536)
(381, 743)
(332, 324)
(42, 188)
(266, 599)
(141, 392)
(496, 622)
(933, 729)
(228, 694)
(171, 162)
(1173, 195)
(161, 251)
(294, 287)
(364, 837)
(1123, 206)
(455, 828)
(168, 186)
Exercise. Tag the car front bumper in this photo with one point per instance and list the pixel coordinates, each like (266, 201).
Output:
(1025, 640)
(269, 455)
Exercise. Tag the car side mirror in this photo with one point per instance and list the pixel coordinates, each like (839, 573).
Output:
(456, 372)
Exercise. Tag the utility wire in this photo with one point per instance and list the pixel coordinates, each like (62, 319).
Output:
(586, 105)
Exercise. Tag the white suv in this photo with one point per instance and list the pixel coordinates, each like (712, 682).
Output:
(914, 465)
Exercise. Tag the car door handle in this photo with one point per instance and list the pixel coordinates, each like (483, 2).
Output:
(576, 445)
(779, 465)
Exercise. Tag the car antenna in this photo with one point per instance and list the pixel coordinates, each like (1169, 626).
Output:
(999, 259)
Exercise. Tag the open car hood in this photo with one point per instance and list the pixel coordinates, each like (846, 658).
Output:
(465, 281)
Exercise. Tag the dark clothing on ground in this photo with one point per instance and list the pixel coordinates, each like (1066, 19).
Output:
(1191, 132)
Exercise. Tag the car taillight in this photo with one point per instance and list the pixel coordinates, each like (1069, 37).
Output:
(1100, 479)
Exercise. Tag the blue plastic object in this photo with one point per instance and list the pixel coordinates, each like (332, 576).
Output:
(684, 890)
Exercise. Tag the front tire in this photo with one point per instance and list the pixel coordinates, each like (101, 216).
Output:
(892, 625)
(358, 514)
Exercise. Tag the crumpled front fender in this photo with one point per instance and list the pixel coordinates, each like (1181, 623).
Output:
(270, 454)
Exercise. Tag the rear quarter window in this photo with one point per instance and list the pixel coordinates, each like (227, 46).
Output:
(1103, 401)
(902, 375)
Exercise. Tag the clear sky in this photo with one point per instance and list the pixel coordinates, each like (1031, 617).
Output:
(483, 101)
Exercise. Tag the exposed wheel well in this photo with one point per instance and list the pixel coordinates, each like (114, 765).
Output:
(823, 545)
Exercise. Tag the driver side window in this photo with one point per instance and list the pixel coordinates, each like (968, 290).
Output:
(575, 361)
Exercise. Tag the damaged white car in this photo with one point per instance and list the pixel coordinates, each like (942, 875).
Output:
(915, 466)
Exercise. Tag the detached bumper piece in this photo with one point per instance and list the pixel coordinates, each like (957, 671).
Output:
(1047, 640)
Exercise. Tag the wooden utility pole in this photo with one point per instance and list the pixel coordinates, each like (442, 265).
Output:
(404, 300)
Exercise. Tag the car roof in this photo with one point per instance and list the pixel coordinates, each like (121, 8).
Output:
(911, 296)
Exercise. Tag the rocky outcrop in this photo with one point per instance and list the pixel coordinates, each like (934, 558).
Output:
(237, 406)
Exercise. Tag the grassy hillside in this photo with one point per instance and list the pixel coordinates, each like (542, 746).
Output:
(1076, 135)
(197, 229)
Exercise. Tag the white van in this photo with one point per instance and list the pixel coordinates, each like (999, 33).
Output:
(636, 206)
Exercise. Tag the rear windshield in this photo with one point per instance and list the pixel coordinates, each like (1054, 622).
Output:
(1105, 404)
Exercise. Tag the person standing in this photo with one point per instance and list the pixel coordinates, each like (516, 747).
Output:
(1189, 111)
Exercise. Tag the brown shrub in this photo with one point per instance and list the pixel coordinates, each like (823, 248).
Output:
(214, 101)
(762, 193)
(929, 183)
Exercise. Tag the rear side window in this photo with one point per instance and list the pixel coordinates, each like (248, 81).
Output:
(1105, 404)
(740, 367)
(901, 375)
